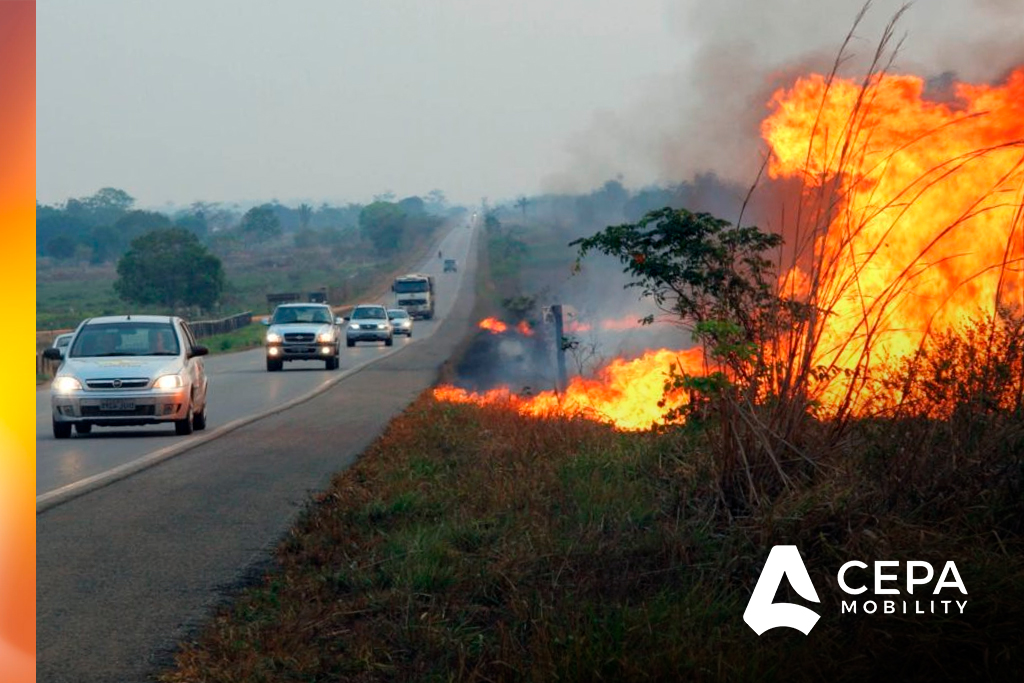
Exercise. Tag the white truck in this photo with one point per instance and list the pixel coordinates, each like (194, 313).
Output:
(415, 293)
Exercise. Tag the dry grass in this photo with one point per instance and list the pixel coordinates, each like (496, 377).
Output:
(474, 544)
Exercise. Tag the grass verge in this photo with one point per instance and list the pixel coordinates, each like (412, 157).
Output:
(473, 544)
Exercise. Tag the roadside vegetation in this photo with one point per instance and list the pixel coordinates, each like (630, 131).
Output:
(99, 255)
(473, 544)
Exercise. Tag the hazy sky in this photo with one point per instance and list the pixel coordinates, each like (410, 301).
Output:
(339, 100)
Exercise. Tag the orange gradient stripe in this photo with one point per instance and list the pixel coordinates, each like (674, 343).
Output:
(17, 343)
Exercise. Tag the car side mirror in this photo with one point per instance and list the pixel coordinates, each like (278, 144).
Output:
(339, 321)
(346, 318)
(52, 354)
(198, 351)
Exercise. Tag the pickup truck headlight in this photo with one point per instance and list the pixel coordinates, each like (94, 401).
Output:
(65, 385)
(325, 337)
(168, 382)
(273, 338)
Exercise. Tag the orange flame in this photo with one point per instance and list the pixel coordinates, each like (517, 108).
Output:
(929, 208)
(524, 329)
(624, 393)
(493, 325)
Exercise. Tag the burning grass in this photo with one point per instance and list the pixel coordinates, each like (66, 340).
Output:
(472, 543)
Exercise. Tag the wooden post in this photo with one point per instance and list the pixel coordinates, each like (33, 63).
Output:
(563, 380)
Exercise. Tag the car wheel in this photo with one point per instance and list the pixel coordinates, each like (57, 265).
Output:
(199, 420)
(389, 341)
(183, 427)
(83, 427)
(274, 365)
(61, 430)
(350, 343)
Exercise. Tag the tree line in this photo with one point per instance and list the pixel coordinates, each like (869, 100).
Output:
(172, 261)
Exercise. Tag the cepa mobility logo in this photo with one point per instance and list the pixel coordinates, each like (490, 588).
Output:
(784, 561)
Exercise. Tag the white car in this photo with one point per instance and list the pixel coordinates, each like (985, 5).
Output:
(401, 321)
(61, 342)
(369, 322)
(129, 370)
(303, 332)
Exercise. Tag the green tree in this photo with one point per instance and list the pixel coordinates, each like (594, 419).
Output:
(103, 208)
(383, 223)
(107, 243)
(52, 221)
(261, 223)
(193, 221)
(696, 266)
(61, 246)
(135, 223)
(305, 215)
(171, 268)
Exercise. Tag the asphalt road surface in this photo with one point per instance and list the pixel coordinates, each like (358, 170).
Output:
(127, 569)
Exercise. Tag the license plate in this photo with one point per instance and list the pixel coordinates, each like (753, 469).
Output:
(117, 404)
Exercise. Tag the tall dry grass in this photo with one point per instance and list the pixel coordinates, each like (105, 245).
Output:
(805, 387)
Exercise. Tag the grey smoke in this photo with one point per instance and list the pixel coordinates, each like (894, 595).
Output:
(705, 115)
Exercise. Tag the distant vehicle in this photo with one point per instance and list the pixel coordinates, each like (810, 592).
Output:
(369, 322)
(61, 341)
(401, 321)
(303, 332)
(129, 370)
(415, 293)
(450, 265)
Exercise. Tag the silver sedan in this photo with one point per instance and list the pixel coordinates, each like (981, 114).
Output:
(129, 370)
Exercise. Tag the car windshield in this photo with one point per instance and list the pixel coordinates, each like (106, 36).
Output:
(410, 286)
(368, 314)
(286, 315)
(398, 313)
(125, 339)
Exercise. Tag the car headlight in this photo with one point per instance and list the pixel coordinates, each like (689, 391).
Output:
(353, 326)
(325, 337)
(65, 385)
(168, 382)
(382, 326)
(273, 338)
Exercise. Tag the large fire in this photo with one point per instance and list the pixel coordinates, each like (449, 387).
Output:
(924, 208)
(624, 392)
(913, 221)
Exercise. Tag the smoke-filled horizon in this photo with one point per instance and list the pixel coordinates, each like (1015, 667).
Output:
(251, 102)
(705, 116)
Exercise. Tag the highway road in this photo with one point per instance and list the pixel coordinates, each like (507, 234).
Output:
(129, 569)
(240, 388)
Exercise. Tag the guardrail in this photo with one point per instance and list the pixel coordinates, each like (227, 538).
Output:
(207, 328)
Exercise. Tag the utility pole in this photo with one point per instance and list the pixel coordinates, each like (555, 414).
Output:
(563, 380)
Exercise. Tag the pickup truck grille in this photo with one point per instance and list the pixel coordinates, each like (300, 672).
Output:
(299, 337)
